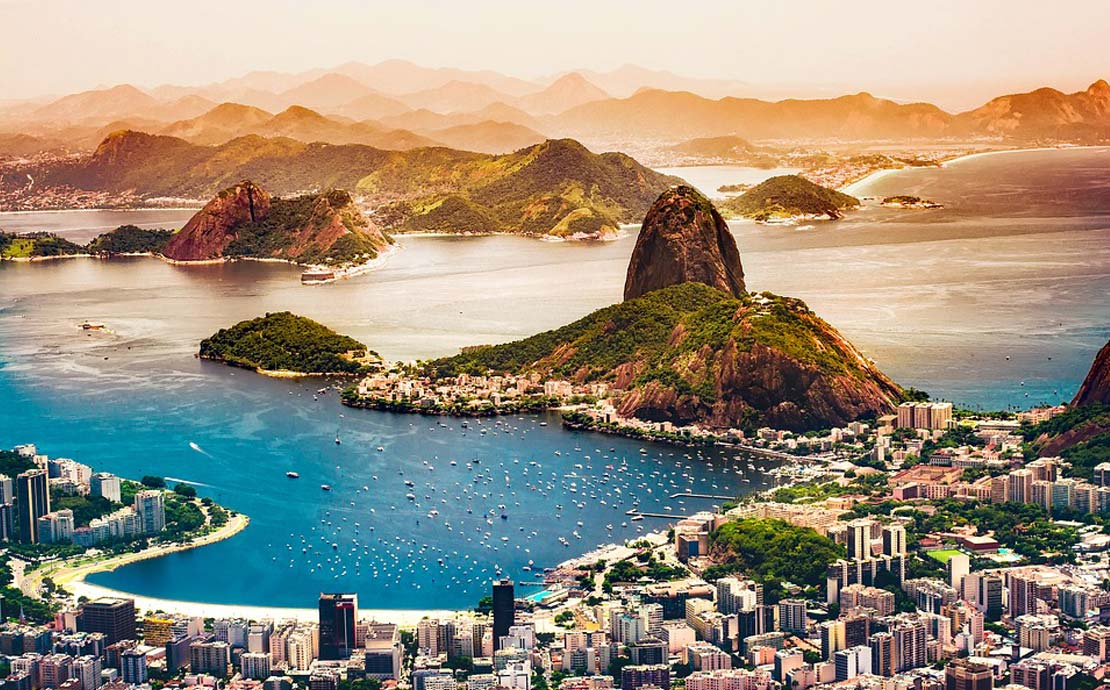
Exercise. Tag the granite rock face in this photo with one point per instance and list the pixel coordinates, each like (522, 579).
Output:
(1096, 387)
(212, 229)
(684, 239)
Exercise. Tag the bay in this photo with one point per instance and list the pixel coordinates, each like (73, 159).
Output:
(999, 299)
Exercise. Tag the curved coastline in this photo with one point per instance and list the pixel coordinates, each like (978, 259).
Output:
(855, 187)
(71, 573)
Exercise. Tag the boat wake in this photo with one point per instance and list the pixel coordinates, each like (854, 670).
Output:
(175, 480)
(198, 449)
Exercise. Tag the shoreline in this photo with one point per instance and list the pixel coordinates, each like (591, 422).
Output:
(127, 209)
(403, 617)
(852, 187)
(72, 572)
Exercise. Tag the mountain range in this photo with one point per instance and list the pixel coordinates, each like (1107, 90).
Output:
(557, 187)
(400, 105)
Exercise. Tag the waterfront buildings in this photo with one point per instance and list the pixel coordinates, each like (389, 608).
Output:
(338, 615)
(33, 499)
(114, 617)
(504, 610)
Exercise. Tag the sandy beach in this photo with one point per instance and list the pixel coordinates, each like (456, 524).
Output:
(404, 617)
(71, 575)
(854, 187)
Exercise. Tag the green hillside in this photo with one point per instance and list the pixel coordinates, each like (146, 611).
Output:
(555, 187)
(692, 353)
(286, 342)
(784, 196)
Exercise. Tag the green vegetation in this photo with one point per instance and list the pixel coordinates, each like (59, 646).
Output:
(531, 191)
(126, 239)
(85, 508)
(1081, 435)
(14, 600)
(867, 484)
(12, 463)
(129, 239)
(679, 338)
(771, 551)
(733, 149)
(643, 568)
(788, 195)
(36, 245)
(556, 188)
(280, 233)
(943, 555)
(1025, 528)
(285, 342)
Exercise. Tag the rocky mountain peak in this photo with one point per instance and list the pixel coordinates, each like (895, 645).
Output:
(208, 233)
(1096, 387)
(684, 239)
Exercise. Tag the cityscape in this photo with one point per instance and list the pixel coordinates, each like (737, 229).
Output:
(533, 346)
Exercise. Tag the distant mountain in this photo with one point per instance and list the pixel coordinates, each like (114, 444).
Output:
(245, 221)
(102, 104)
(557, 187)
(154, 165)
(488, 137)
(223, 123)
(1043, 113)
(564, 93)
(19, 145)
(229, 121)
(785, 196)
(681, 115)
(124, 101)
(401, 76)
(372, 106)
(503, 112)
(731, 149)
(426, 121)
(325, 93)
(454, 96)
(628, 79)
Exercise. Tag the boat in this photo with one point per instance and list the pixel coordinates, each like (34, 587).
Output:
(325, 487)
(381, 449)
(317, 275)
(337, 441)
(292, 475)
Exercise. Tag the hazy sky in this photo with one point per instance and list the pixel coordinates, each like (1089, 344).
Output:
(954, 52)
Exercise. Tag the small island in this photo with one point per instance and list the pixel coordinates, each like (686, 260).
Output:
(737, 188)
(907, 201)
(789, 197)
(285, 344)
(124, 240)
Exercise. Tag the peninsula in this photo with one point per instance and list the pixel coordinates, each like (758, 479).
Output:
(688, 346)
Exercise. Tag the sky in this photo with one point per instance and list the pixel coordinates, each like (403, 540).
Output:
(956, 53)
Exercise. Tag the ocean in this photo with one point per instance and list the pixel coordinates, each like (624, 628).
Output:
(997, 300)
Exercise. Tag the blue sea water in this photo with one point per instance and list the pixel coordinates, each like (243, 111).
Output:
(999, 299)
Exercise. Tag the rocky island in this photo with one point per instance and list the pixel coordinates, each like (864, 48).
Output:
(286, 344)
(908, 201)
(787, 197)
(689, 345)
(244, 221)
